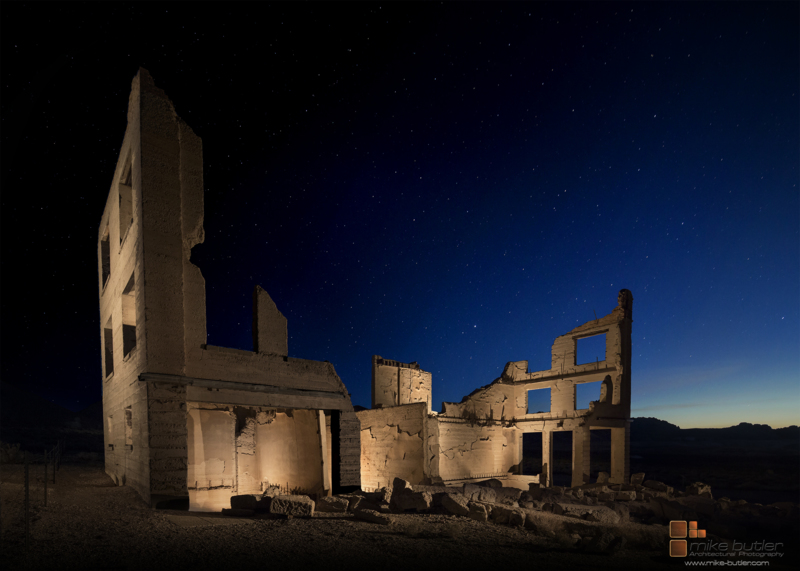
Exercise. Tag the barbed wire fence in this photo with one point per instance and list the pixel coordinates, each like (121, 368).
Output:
(22, 501)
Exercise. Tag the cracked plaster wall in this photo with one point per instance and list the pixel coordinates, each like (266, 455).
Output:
(468, 451)
(392, 443)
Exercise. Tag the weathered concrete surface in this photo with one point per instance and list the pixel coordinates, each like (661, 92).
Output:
(157, 366)
(456, 504)
(482, 435)
(293, 505)
(333, 504)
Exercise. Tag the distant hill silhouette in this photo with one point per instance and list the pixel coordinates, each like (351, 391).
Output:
(21, 409)
(653, 429)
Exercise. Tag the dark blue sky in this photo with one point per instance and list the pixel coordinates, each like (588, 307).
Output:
(455, 184)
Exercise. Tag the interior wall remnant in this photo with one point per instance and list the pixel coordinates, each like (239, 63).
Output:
(473, 451)
(212, 461)
(395, 383)
(392, 443)
(288, 450)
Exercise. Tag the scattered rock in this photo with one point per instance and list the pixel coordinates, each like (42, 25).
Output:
(294, 505)
(601, 514)
(658, 486)
(244, 502)
(637, 479)
(332, 504)
(417, 501)
(491, 483)
(602, 477)
(508, 516)
(478, 511)
(699, 489)
(373, 517)
(400, 486)
(456, 504)
(625, 496)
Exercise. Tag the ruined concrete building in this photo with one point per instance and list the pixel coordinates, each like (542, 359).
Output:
(184, 419)
(483, 435)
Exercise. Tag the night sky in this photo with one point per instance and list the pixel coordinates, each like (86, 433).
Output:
(453, 184)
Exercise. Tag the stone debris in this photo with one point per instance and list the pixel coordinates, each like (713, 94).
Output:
(658, 486)
(244, 502)
(508, 516)
(637, 479)
(602, 477)
(456, 504)
(627, 496)
(416, 501)
(373, 517)
(332, 504)
(699, 489)
(478, 512)
(297, 506)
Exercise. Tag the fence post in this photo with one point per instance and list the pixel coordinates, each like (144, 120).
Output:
(45, 477)
(26, 501)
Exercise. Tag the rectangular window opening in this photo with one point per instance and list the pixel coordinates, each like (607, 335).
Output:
(128, 427)
(108, 348)
(591, 349)
(129, 317)
(585, 393)
(105, 259)
(125, 201)
(539, 400)
(532, 453)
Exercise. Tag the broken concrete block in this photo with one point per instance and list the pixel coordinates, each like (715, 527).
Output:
(637, 479)
(591, 513)
(490, 483)
(456, 504)
(244, 502)
(487, 495)
(606, 497)
(373, 517)
(478, 512)
(299, 506)
(361, 503)
(236, 512)
(658, 486)
(602, 477)
(628, 496)
(379, 497)
(400, 486)
(417, 501)
(332, 504)
(508, 516)
(699, 489)
(508, 496)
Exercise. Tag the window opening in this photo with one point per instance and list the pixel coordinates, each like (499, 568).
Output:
(128, 427)
(591, 349)
(538, 400)
(125, 201)
(129, 317)
(105, 258)
(585, 393)
(108, 348)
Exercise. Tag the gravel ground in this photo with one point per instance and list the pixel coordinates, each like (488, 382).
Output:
(90, 523)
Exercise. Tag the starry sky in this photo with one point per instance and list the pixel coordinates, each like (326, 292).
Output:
(450, 183)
